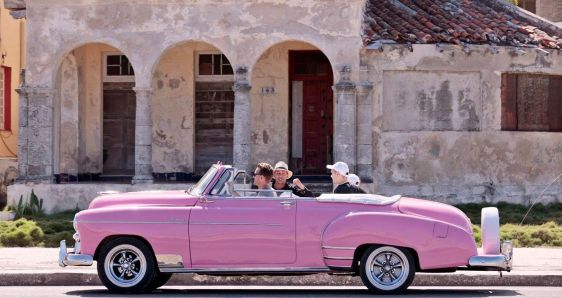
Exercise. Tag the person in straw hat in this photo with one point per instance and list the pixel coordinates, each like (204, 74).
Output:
(281, 174)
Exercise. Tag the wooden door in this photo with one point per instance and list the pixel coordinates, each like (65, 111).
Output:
(313, 72)
(214, 123)
(317, 125)
(119, 109)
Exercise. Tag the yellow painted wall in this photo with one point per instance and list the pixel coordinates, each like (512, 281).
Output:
(12, 34)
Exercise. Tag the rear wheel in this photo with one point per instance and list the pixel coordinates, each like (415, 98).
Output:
(126, 265)
(387, 269)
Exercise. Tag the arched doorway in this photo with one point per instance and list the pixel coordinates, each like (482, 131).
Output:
(292, 107)
(311, 81)
(95, 115)
(193, 111)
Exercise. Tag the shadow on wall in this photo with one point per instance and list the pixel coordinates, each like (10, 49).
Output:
(8, 177)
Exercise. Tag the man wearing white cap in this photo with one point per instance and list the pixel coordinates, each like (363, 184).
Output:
(340, 171)
(281, 174)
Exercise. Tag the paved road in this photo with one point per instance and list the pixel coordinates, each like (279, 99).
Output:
(238, 291)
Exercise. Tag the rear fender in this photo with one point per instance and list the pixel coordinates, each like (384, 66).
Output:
(437, 244)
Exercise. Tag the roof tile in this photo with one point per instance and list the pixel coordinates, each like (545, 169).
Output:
(457, 21)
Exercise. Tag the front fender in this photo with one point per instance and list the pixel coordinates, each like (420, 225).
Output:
(438, 244)
(164, 227)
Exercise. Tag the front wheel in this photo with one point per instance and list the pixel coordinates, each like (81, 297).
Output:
(126, 265)
(387, 269)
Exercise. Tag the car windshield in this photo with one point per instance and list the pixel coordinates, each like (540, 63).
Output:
(204, 181)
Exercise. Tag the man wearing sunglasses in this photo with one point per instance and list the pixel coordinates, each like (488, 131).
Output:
(262, 179)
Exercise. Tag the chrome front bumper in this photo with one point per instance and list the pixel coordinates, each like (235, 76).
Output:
(73, 258)
(502, 262)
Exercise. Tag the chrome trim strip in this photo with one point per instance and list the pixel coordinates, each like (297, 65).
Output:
(339, 258)
(245, 270)
(131, 222)
(340, 267)
(338, 247)
(234, 224)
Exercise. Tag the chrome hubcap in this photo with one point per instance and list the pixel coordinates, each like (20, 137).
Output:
(387, 268)
(125, 265)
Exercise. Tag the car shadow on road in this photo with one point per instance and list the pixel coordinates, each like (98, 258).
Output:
(280, 292)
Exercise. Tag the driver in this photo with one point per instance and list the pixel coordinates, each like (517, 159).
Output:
(262, 179)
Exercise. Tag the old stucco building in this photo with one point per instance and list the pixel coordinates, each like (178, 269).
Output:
(458, 101)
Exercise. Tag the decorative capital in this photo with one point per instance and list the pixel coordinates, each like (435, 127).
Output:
(241, 84)
(31, 91)
(241, 73)
(345, 83)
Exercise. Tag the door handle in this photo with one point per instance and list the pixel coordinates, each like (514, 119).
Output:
(287, 203)
(207, 201)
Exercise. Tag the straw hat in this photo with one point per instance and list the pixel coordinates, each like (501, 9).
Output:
(283, 166)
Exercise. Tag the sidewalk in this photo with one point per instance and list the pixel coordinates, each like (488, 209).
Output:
(39, 266)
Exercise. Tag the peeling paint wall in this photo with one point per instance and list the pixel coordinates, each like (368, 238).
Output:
(173, 109)
(270, 112)
(144, 29)
(437, 125)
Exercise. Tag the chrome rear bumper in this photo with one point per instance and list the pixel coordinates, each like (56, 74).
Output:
(73, 258)
(502, 262)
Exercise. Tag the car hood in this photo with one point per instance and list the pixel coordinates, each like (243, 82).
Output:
(163, 198)
(434, 210)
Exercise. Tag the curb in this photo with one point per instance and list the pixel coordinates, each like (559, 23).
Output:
(185, 279)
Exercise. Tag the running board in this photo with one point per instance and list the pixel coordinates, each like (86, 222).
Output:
(245, 271)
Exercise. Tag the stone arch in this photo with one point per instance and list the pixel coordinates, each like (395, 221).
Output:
(330, 54)
(281, 128)
(78, 114)
(192, 112)
(70, 47)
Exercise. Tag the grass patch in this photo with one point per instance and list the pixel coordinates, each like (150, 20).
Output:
(513, 213)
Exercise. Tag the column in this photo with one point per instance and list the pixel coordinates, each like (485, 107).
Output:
(242, 120)
(35, 143)
(22, 128)
(143, 137)
(345, 139)
(364, 127)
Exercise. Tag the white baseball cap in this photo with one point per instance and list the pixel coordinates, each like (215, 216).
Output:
(340, 167)
(353, 179)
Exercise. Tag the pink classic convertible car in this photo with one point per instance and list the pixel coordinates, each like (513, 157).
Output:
(140, 239)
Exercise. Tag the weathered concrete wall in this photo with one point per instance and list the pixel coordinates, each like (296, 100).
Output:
(550, 10)
(433, 100)
(173, 105)
(270, 112)
(470, 159)
(144, 29)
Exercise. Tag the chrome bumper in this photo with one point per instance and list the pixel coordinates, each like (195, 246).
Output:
(502, 262)
(73, 258)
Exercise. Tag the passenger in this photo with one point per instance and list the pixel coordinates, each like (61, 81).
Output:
(353, 180)
(340, 171)
(281, 174)
(262, 179)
